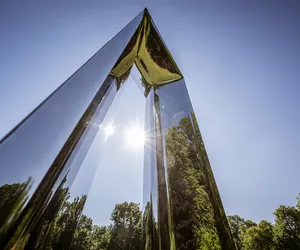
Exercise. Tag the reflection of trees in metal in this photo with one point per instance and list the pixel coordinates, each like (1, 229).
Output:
(190, 206)
(193, 212)
(182, 208)
(192, 226)
(193, 215)
(12, 199)
(75, 231)
(189, 212)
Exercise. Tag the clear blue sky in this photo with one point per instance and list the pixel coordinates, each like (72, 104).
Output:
(240, 59)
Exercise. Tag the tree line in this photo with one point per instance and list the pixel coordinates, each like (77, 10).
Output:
(124, 231)
(283, 234)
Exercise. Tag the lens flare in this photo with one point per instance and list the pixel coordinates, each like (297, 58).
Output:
(109, 130)
(135, 137)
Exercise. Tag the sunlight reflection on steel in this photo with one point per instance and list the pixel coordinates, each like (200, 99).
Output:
(109, 130)
(135, 137)
(48, 162)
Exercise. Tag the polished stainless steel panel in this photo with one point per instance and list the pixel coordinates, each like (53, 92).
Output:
(49, 161)
(190, 212)
(35, 156)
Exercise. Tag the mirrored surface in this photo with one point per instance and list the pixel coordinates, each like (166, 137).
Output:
(189, 205)
(102, 208)
(45, 151)
(104, 164)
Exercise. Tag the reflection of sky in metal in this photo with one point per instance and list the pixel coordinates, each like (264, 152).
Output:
(119, 176)
(241, 67)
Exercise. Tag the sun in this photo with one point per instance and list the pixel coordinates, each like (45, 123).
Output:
(135, 137)
(109, 130)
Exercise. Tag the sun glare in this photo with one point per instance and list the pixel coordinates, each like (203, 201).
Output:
(135, 137)
(109, 130)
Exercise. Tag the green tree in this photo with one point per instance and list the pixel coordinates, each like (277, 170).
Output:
(193, 212)
(259, 237)
(82, 237)
(12, 200)
(100, 238)
(287, 227)
(9, 195)
(65, 225)
(236, 222)
(247, 224)
(149, 226)
(239, 226)
(126, 227)
(284, 234)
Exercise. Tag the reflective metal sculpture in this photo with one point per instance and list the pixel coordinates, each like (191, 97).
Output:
(44, 158)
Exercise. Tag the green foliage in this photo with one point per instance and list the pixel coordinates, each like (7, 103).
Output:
(284, 234)
(126, 226)
(259, 237)
(287, 227)
(82, 236)
(76, 229)
(194, 221)
(65, 224)
(100, 238)
(12, 199)
(236, 223)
